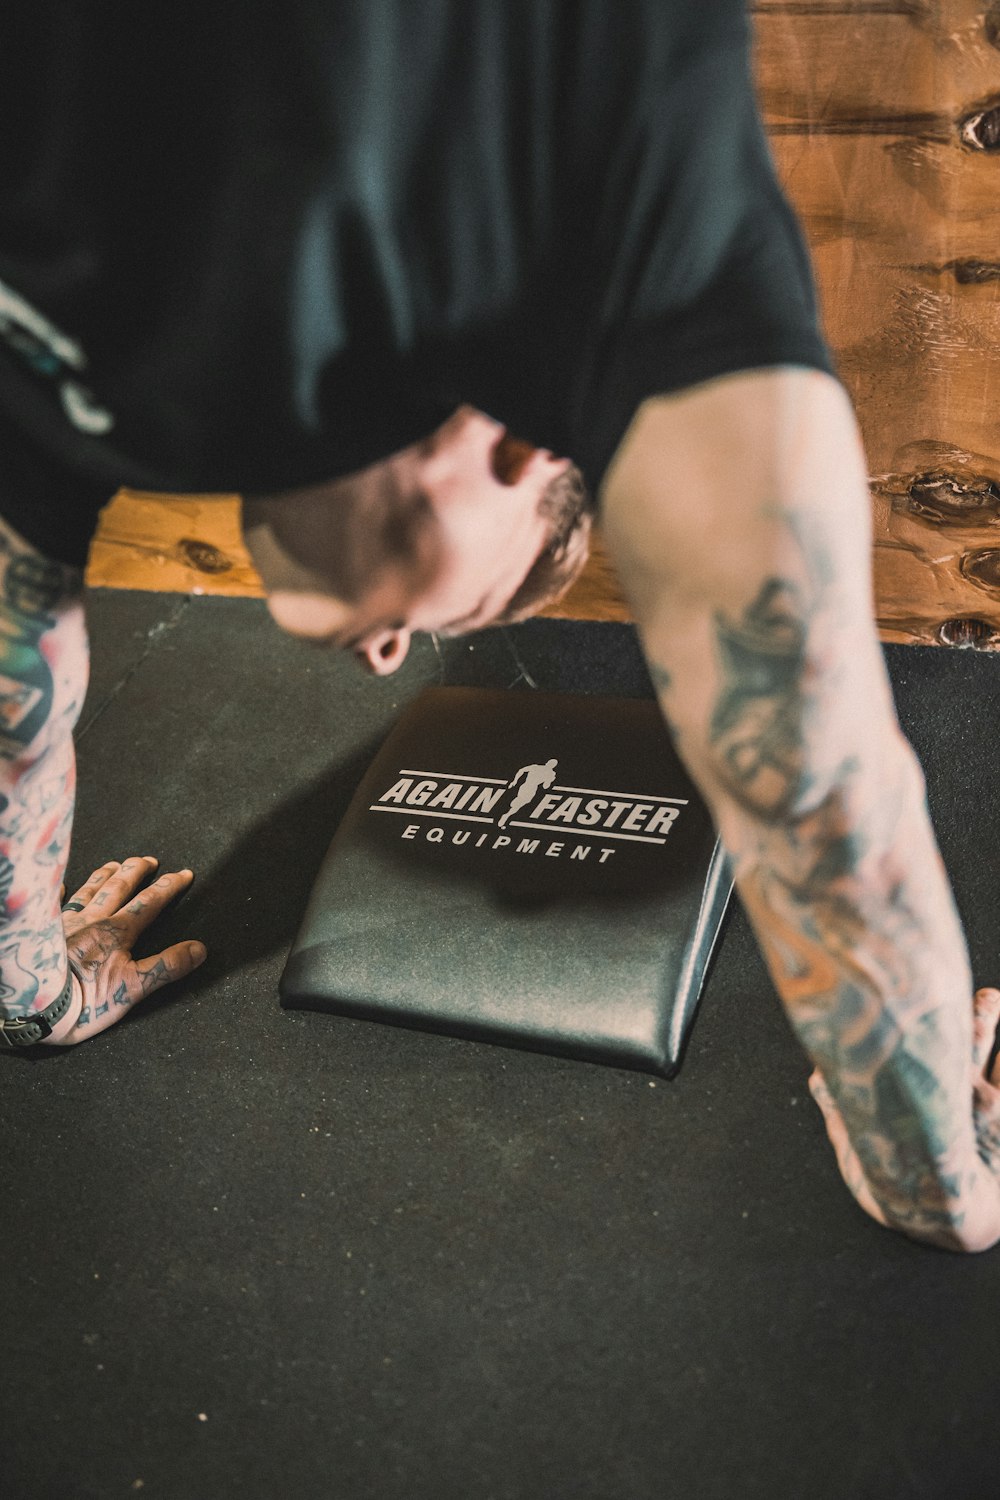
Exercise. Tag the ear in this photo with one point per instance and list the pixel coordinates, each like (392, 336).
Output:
(384, 651)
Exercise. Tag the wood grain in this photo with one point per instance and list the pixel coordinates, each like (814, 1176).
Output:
(194, 544)
(884, 123)
(884, 120)
(190, 543)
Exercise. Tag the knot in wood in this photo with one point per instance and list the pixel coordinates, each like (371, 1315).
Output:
(981, 131)
(975, 272)
(953, 500)
(982, 568)
(968, 635)
(203, 556)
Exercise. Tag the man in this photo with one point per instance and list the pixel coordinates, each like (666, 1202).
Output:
(375, 266)
(528, 780)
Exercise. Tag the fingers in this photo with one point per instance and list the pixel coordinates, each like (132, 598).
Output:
(821, 1095)
(847, 1158)
(103, 892)
(114, 908)
(148, 904)
(104, 1004)
(985, 1017)
(110, 994)
(114, 891)
(835, 1127)
(175, 962)
(92, 884)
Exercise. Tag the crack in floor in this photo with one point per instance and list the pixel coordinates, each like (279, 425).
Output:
(523, 674)
(153, 638)
(442, 667)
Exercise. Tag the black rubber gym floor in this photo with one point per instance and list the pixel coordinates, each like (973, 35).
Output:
(254, 1253)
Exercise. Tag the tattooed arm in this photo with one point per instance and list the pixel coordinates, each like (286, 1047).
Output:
(738, 514)
(43, 677)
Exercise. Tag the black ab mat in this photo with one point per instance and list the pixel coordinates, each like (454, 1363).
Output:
(490, 900)
(254, 1253)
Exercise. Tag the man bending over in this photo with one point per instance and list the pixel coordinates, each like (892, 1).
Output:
(379, 266)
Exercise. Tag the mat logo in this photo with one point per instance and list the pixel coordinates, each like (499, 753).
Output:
(533, 800)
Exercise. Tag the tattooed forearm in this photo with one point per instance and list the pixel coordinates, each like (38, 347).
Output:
(868, 956)
(824, 815)
(758, 723)
(42, 681)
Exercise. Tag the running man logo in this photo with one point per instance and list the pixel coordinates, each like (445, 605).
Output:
(544, 805)
(533, 778)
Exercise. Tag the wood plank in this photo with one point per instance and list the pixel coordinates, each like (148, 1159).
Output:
(918, 77)
(896, 200)
(169, 542)
(909, 284)
(194, 544)
(808, 77)
(596, 594)
(795, 9)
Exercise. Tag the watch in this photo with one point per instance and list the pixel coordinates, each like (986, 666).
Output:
(25, 1031)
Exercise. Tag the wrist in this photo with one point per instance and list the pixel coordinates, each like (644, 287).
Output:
(49, 1021)
(65, 1024)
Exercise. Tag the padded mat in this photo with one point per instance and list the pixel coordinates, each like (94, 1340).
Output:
(254, 1253)
(491, 901)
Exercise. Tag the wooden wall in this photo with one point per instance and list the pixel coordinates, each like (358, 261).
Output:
(884, 117)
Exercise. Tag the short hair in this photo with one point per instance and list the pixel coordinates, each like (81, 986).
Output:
(566, 506)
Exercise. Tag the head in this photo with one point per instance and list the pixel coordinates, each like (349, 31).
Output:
(468, 528)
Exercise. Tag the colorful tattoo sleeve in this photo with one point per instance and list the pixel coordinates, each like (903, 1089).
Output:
(43, 677)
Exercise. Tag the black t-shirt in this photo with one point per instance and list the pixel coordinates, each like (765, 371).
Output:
(247, 245)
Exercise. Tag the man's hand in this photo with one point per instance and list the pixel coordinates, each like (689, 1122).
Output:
(102, 922)
(847, 1158)
(985, 1105)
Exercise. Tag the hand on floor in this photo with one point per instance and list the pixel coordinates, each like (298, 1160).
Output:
(847, 1158)
(985, 1104)
(110, 912)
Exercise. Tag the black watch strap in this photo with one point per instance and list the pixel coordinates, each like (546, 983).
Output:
(25, 1031)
